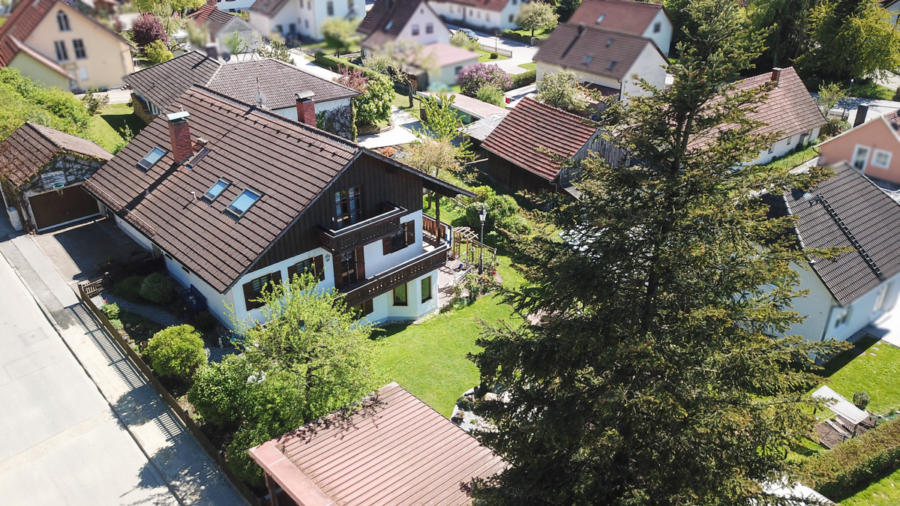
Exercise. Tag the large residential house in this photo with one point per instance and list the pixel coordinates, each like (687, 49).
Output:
(489, 15)
(869, 147)
(41, 173)
(235, 197)
(398, 22)
(294, 19)
(642, 19)
(52, 42)
(608, 61)
(232, 5)
(268, 83)
(847, 294)
(394, 450)
(220, 24)
(525, 149)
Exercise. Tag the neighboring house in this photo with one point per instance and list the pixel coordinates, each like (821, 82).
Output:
(232, 5)
(41, 173)
(394, 450)
(235, 197)
(489, 15)
(849, 293)
(273, 82)
(447, 61)
(52, 42)
(471, 109)
(610, 62)
(646, 20)
(400, 23)
(221, 24)
(789, 112)
(869, 147)
(294, 19)
(521, 148)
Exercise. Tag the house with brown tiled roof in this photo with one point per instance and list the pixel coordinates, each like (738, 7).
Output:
(489, 15)
(54, 43)
(608, 61)
(41, 175)
(525, 149)
(395, 449)
(642, 19)
(869, 147)
(234, 197)
(399, 22)
(862, 284)
(296, 19)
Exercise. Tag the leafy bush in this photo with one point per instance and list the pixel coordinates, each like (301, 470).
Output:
(524, 79)
(157, 288)
(460, 39)
(334, 64)
(561, 90)
(176, 351)
(491, 94)
(205, 322)
(861, 399)
(515, 224)
(111, 311)
(838, 472)
(516, 36)
(148, 29)
(475, 77)
(27, 100)
(129, 288)
(501, 208)
(896, 94)
(157, 52)
(464, 403)
(94, 102)
(377, 97)
(219, 391)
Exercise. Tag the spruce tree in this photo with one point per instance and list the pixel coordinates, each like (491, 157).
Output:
(657, 365)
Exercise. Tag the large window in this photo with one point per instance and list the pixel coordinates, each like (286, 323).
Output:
(314, 265)
(401, 239)
(400, 296)
(860, 156)
(78, 44)
(426, 289)
(347, 207)
(61, 53)
(881, 159)
(351, 267)
(63, 21)
(254, 289)
(330, 8)
(364, 309)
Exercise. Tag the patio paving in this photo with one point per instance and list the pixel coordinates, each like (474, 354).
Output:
(886, 328)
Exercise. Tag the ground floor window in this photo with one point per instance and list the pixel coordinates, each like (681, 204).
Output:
(400, 296)
(364, 309)
(426, 289)
(254, 289)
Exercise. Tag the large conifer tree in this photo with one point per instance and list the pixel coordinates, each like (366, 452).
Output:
(658, 373)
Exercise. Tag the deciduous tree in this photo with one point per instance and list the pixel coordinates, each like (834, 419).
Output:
(536, 16)
(561, 90)
(339, 33)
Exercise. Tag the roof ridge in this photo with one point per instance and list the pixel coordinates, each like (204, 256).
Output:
(558, 110)
(191, 52)
(34, 126)
(608, 30)
(295, 67)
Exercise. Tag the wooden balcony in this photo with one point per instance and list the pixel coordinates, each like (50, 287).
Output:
(388, 280)
(356, 235)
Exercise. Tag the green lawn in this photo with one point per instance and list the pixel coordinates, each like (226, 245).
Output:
(869, 367)
(529, 66)
(321, 46)
(794, 159)
(486, 56)
(543, 33)
(884, 492)
(863, 89)
(105, 126)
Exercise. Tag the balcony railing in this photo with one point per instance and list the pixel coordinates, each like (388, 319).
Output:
(395, 276)
(356, 235)
(436, 232)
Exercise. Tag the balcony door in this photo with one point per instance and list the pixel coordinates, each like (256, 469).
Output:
(350, 267)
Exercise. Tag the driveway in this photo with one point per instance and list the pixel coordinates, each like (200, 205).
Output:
(521, 53)
(405, 125)
(75, 251)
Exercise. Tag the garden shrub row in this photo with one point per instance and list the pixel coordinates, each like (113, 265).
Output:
(516, 36)
(334, 63)
(838, 473)
(520, 80)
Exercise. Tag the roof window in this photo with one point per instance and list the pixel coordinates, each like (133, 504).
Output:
(588, 59)
(389, 25)
(600, 19)
(216, 190)
(151, 158)
(611, 65)
(241, 204)
(609, 42)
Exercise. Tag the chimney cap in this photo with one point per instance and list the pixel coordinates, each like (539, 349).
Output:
(304, 95)
(178, 116)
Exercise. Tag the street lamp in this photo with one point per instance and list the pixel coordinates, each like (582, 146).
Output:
(482, 216)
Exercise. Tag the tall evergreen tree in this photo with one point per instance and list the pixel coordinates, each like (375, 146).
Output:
(787, 22)
(659, 372)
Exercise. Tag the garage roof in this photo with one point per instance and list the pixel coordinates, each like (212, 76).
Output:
(31, 147)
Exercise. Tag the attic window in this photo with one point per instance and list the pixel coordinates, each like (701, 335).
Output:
(151, 158)
(588, 58)
(389, 25)
(216, 190)
(609, 42)
(600, 19)
(243, 202)
(611, 65)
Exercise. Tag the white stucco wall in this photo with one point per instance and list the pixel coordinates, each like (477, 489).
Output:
(483, 19)
(662, 38)
(291, 112)
(384, 310)
(815, 307)
(784, 146)
(862, 311)
(650, 66)
(447, 75)
(134, 234)
(421, 19)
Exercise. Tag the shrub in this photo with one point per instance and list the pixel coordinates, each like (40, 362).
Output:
(500, 209)
(176, 351)
(492, 95)
(148, 29)
(861, 399)
(157, 52)
(94, 102)
(219, 391)
(515, 224)
(129, 288)
(524, 79)
(474, 77)
(111, 311)
(377, 97)
(516, 36)
(334, 64)
(205, 322)
(896, 94)
(157, 288)
(460, 39)
(494, 55)
(838, 472)
(464, 403)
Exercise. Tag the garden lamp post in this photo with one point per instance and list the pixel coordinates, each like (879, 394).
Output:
(482, 215)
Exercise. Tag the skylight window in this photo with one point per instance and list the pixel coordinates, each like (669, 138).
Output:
(611, 65)
(389, 25)
(609, 42)
(216, 190)
(150, 160)
(243, 202)
(600, 19)
(588, 58)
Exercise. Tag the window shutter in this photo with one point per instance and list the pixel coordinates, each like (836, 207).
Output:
(275, 278)
(249, 303)
(292, 270)
(386, 246)
(410, 232)
(360, 264)
(319, 262)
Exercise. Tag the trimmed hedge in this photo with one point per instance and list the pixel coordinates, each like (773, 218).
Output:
(838, 473)
(520, 80)
(518, 37)
(334, 64)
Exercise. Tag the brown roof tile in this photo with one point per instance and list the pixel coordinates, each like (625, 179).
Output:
(592, 50)
(165, 82)
(491, 5)
(21, 22)
(395, 451)
(24, 153)
(531, 126)
(202, 13)
(789, 108)
(618, 15)
(268, 8)
(384, 22)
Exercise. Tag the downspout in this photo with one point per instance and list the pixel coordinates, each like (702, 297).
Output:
(827, 322)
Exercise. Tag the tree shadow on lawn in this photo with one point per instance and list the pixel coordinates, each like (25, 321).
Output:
(387, 331)
(118, 121)
(839, 361)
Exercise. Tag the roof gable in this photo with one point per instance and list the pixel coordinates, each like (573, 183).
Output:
(387, 18)
(887, 121)
(788, 110)
(530, 128)
(31, 147)
(618, 15)
(268, 8)
(24, 19)
(593, 50)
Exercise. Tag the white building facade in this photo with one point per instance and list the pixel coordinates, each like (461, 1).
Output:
(490, 20)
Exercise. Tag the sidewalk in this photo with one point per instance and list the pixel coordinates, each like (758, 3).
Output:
(188, 470)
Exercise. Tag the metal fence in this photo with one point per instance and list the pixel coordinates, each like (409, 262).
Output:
(493, 49)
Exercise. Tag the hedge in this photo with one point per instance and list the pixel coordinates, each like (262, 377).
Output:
(516, 36)
(839, 473)
(334, 63)
(520, 80)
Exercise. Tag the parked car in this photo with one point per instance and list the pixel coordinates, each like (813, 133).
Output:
(469, 33)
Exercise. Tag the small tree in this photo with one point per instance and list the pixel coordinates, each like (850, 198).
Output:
(176, 352)
(377, 97)
(441, 118)
(339, 33)
(460, 39)
(491, 94)
(565, 9)
(473, 77)
(536, 16)
(148, 29)
(861, 399)
(378, 62)
(235, 43)
(94, 101)
(157, 52)
(829, 96)
(561, 90)
(275, 49)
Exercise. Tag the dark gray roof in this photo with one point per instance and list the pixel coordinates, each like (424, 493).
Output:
(592, 50)
(163, 83)
(869, 218)
(268, 8)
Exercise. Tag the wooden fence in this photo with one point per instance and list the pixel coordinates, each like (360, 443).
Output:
(493, 49)
(191, 426)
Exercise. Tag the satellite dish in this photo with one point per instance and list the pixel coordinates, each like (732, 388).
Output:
(226, 56)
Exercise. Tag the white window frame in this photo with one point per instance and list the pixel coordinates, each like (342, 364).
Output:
(887, 164)
(865, 160)
(881, 298)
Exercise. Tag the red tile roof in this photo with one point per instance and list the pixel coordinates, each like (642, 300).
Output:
(789, 109)
(387, 18)
(490, 5)
(618, 15)
(394, 451)
(202, 13)
(31, 147)
(531, 126)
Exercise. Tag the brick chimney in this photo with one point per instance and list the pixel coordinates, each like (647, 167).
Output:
(180, 136)
(861, 113)
(212, 51)
(306, 108)
(776, 75)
